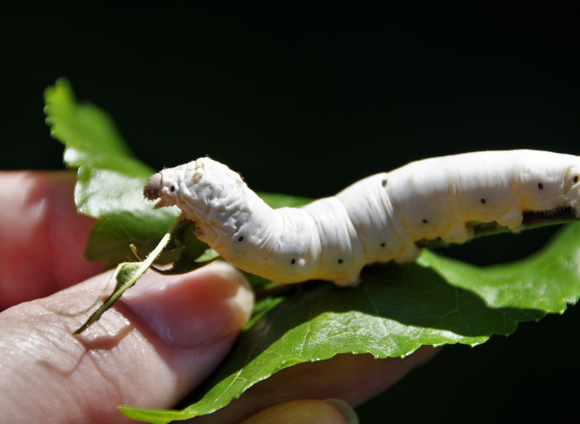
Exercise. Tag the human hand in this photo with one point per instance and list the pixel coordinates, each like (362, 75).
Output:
(160, 341)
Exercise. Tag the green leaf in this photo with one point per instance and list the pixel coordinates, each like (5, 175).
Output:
(546, 281)
(110, 180)
(396, 309)
(392, 313)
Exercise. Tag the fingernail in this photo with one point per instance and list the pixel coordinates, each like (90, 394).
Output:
(190, 310)
(345, 410)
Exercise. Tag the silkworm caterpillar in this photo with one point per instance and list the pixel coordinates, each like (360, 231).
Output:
(377, 219)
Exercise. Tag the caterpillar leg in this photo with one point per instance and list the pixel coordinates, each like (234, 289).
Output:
(351, 281)
(512, 219)
(457, 234)
(409, 253)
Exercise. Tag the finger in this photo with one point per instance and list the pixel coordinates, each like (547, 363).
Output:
(42, 237)
(306, 412)
(149, 351)
(351, 378)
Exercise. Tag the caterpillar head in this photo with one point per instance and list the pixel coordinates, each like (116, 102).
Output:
(153, 187)
(184, 185)
(208, 193)
(162, 185)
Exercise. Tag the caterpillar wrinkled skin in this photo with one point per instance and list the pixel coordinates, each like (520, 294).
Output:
(377, 219)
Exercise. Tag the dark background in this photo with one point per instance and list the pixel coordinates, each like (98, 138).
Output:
(305, 99)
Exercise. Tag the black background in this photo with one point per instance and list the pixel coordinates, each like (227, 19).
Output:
(305, 99)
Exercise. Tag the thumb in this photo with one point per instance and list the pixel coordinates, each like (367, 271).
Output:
(150, 350)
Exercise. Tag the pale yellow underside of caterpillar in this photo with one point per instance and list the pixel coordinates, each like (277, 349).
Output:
(377, 219)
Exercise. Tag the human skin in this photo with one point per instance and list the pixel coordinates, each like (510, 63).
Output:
(159, 342)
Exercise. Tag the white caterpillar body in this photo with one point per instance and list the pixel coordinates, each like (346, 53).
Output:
(377, 219)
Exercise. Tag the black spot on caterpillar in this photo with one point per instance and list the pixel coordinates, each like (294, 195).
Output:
(369, 221)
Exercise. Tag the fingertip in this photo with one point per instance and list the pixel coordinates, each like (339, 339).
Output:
(347, 412)
(332, 411)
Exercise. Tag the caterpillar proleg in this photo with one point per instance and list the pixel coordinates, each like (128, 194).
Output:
(377, 219)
